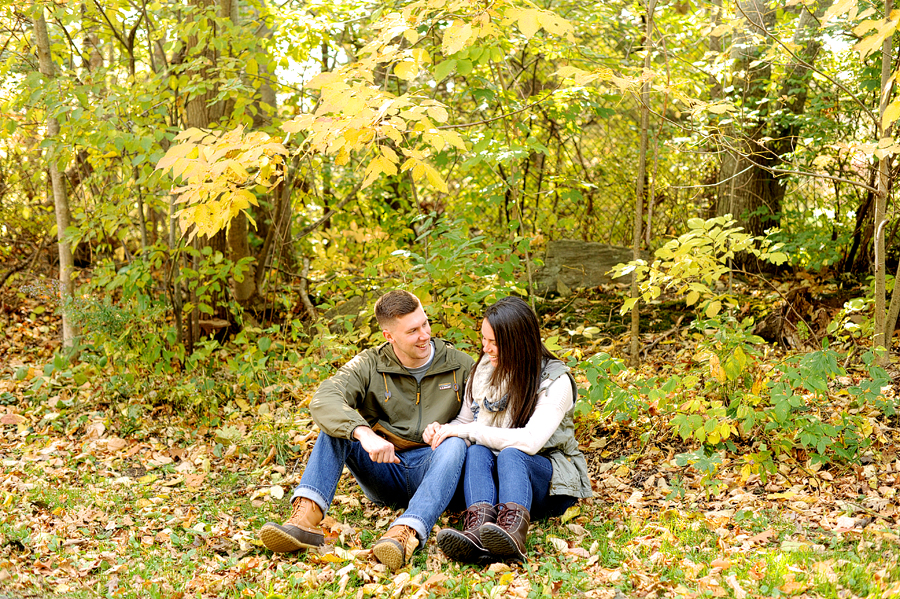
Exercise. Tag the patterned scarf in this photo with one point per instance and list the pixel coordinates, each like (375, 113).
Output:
(489, 402)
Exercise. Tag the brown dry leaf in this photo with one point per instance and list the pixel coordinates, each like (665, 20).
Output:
(193, 481)
(720, 563)
(13, 419)
(710, 585)
(791, 586)
(115, 444)
(758, 571)
(739, 593)
(762, 537)
(435, 579)
(94, 430)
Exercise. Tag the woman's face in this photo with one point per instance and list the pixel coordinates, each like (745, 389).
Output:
(488, 342)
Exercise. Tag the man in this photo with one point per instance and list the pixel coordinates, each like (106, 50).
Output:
(372, 414)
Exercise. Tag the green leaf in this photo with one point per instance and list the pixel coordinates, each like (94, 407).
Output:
(443, 69)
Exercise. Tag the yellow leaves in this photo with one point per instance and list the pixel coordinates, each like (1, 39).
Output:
(379, 165)
(455, 37)
(218, 170)
(438, 113)
(406, 70)
(883, 30)
(716, 370)
(421, 169)
(692, 298)
(837, 9)
(531, 20)
(891, 114)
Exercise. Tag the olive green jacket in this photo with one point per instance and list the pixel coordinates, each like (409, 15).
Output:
(374, 387)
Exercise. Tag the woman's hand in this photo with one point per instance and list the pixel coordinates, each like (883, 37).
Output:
(443, 431)
(430, 431)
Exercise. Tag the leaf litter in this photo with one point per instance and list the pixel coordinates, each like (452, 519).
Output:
(173, 508)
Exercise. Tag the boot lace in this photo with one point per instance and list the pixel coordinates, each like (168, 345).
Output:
(471, 519)
(506, 517)
(299, 511)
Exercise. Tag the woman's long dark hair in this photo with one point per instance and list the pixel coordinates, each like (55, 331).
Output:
(521, 353)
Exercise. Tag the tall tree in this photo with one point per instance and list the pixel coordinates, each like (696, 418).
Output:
(58, 184)
(750, 186)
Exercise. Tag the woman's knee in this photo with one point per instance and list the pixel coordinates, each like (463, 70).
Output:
(511, 455)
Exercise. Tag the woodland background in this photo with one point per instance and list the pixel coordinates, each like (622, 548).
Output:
(199, 202)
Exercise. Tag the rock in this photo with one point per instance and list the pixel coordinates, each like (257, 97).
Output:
(570, 264)
(355, 306)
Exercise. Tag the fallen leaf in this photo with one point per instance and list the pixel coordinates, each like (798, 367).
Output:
(559, 544)
(115, 444)
(193, 481)
(762, 537)
(572, 512)
(13, 419)
(94, 430)
(739, 593)
(435, 579)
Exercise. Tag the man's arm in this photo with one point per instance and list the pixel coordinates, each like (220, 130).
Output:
(334, 405)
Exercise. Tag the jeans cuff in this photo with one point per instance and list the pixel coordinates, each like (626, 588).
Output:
(415, 523)
(313, 494)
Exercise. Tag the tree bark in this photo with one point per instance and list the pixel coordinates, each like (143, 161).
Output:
(60, 200)
(881, 338)
(635, 357)
(748, 188)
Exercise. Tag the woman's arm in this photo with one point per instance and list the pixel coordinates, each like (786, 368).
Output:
(555, 400)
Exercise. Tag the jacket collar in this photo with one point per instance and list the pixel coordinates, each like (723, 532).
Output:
(388, 362)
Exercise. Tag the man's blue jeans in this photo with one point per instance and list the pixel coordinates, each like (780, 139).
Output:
(513, 476)
(423, 482)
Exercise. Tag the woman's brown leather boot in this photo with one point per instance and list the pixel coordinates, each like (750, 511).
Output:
(465, 545)
(506, 537)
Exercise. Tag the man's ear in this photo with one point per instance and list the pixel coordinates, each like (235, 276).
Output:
(387, 335)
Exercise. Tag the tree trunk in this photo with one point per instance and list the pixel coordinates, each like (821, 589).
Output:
(635, 360)
(60, 200)
(748, 187)
(881, 338)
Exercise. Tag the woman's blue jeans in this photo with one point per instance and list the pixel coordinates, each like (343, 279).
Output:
(423, 482)
(512, 476)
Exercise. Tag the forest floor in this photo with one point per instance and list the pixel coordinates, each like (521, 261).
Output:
(124, 498)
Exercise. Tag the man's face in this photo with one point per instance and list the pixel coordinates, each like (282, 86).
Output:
(410, 335)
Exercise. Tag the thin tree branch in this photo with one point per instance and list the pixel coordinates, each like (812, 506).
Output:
(310, 228)
(499, 117)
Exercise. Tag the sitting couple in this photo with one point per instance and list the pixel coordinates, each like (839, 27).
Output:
(412, 416)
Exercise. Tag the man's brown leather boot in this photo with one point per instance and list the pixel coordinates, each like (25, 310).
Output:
(301, 531)
(396, 546)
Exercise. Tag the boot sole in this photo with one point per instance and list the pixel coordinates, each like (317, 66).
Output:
(390, 553)
(459, 547)
(499, 542)
(276, 539)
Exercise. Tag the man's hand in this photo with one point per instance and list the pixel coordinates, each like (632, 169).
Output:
(443, 431)
(381, 451)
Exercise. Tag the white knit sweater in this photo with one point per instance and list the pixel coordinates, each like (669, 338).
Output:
(554, 400)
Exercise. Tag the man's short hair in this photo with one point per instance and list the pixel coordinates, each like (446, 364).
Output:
(394, 304)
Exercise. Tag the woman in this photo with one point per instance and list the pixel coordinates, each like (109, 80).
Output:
(523, 460)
